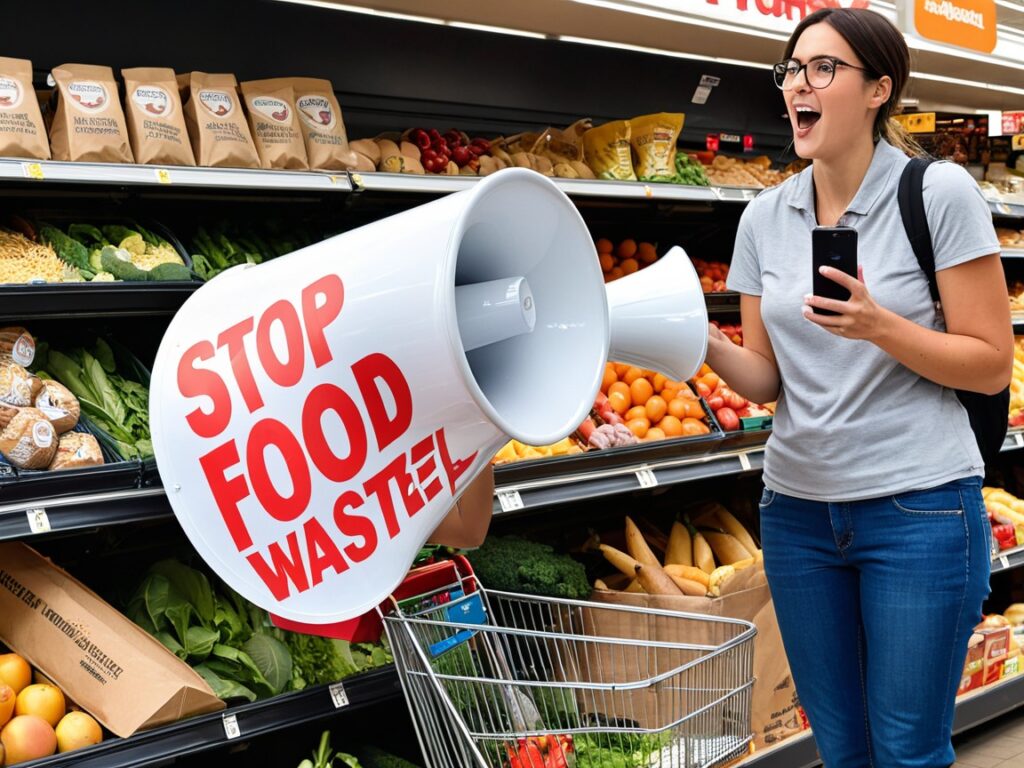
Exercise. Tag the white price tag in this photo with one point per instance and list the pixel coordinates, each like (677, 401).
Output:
(700, 96)
(33, 171)
(1018, 439)
(510, 500)
(163, 176)
(231, 729)
(1004, 561)
(38, 522)
(710, 80)
(745, 462)
(646, 478)
(338, 696)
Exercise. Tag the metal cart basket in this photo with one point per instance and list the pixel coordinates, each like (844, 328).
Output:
(501, 680)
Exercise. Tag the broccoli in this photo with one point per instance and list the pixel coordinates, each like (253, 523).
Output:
(514, 564)
(371, 757)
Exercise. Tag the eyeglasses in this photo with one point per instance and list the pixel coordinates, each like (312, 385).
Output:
(818, 72)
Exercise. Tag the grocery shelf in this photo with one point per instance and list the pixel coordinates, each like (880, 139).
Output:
(25, 302)
(722, 302)
(972, 709)
(236, 724)
(1013, 253)
(1012, 210)
(34, 517)
(1008, 559)
(116, 174)
(411, 182)
(515, 497)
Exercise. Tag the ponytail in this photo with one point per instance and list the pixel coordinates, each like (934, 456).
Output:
(892, 131)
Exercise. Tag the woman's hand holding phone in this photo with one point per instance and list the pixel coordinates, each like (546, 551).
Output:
(858, 318)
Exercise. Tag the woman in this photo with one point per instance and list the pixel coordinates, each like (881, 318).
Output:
(874, 531)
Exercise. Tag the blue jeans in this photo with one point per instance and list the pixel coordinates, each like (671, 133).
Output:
(876, 601)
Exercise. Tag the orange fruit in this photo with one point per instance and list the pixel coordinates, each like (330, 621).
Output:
(659, 381)
(639, 427)
(15, 671)
(604, 245)
(629, 266)
(695, 427)
(711, 380)
(636, 412)
(616, 273)
(77, 730)
(704, 369)
(677, 407)
(626, 249)
(41, 700)
(607, 262)
(669, 393)
(641, 391)
(621, 387)
(27, 738)
(655, 433)
(610, 377)
(621, 368)
(671, 426)
(632, 375)
(647, 253)
(656, 408)
(7, 699)
(694, 410)
(619, 402)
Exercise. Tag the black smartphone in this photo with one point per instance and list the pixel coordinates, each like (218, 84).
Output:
(833, 247)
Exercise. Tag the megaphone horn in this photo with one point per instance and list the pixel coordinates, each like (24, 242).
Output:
(658, 317)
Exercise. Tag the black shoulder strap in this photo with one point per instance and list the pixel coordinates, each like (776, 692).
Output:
(915, 222)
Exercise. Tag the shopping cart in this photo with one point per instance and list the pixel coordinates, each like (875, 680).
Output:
(502, 680)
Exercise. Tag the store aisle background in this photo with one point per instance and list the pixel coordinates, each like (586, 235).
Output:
(998, 744)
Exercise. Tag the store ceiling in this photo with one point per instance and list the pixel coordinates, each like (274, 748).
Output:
(569, 19)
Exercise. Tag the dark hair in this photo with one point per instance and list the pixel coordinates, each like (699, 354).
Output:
(882, 50)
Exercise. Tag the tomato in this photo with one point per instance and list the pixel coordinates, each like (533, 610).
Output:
(703, 390)
(728, 419)
(716, 402)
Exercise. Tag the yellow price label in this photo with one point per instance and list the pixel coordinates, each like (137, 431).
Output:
(357, 181)
(918, 122)
(1018, 142)
(163, 176)
(33, 171)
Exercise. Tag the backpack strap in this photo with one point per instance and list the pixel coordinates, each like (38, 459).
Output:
(915, 221)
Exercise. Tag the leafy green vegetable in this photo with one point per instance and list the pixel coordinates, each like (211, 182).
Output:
(69, 249)
(118, 262)
(169, 271)
(514, 564)
(618, 750)
(372, 757)
(324, 756)
(273, 659)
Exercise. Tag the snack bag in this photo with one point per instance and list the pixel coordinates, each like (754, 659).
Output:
(216, 124)
(607, 151)
(22, 133)
(156, 122)
(323, 128)
(653, 138)
(271, 108)
(89, 124)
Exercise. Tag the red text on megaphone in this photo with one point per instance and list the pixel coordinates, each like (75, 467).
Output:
(236, 468)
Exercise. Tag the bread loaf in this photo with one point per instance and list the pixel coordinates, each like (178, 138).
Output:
(7, 412)
(76, 450)
(58, 405)
(17, 346)
(18, 386)
(29, 441)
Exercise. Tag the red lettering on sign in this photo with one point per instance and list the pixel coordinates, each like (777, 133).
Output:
(367, 372)
(284, 571)
(227, 493)
(380, 486)
(195, 382)
(423, 452)
(328, 397)
(318, 317)
(287, 373)
(270, 432)
(323, 552)
(354, 526)
(234, 339)
(453, 469)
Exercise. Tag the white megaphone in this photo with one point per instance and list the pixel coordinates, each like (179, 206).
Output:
(315, 417)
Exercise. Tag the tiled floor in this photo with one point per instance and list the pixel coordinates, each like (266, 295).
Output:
(997, 744)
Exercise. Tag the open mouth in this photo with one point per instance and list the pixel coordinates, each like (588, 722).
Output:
(806, 118)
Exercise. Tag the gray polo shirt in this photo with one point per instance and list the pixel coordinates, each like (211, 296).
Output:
(852, 422)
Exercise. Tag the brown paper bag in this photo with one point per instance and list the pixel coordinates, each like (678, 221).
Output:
(156, 123)
(216, 123)
(774, 705)
(22, 133)
(89, 125)
(323, 128)
(275, 129)
(109, 666)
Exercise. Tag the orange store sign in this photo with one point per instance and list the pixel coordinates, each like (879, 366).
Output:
(964, 23)
(770, 15)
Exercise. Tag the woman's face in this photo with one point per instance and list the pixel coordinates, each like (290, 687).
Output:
(826, 121)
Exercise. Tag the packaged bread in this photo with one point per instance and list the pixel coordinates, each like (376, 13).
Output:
(7, 412)
(275, 129)
(59, 405)
(18, 387)
(322, 125)
(89, 125)
(653, 138)
(17, 346)
(216, 123)
(607, 151)
(29, 441)
(156, 122)
(22, 132)
(76, 450)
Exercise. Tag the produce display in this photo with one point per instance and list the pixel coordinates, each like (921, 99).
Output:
(712, 275)
(757, 173)
(734, 332)
(1017, 384)
(514, 450)
(1006, 514)
(227, 244)
(627, 257)
(36, 719)
(652, 406)
(515, 564)
(732, 410)
(1016, 292)
(367, 756)
(697, 557)
(112, 390)
(1010, 238)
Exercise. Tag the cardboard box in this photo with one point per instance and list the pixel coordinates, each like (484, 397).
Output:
(110, 667)
(974, 666)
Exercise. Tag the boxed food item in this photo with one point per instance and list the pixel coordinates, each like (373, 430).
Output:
(216, 123)
(974, 666)
(22, 132)
(271, 108)
(156, 120)
(109, 666)
(89, 124)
